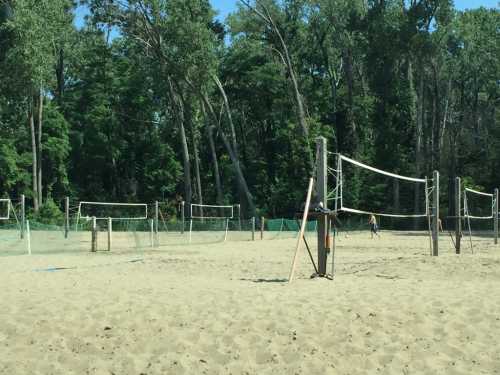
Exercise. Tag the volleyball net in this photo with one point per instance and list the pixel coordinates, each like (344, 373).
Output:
(399, 201)
(12, 238)
(478, 214)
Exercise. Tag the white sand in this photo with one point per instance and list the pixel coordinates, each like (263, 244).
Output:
(222, 309)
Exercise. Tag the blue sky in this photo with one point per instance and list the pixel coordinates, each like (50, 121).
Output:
(224, 7)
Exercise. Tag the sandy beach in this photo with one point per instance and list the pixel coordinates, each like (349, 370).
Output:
(225, 308)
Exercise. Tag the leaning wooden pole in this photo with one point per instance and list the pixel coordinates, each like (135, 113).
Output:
(302, 228)
(322, 193)
(435, 214)
(458, 214)
(495, 216)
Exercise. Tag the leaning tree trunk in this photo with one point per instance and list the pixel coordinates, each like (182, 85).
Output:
(234, 160)
(39, 145)
(31, 120)
(228, 113)
(213, 154)
(199, 193)
(349, 73)
(60, 77)
(418, 142)
(179, 111)
(436, 129)
(287, 61)
(231, 125)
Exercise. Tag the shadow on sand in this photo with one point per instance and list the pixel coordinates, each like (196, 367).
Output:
(266, 280)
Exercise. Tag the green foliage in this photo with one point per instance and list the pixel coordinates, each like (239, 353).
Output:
(49, 213)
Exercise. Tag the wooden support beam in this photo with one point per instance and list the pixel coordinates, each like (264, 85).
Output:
(321, 194)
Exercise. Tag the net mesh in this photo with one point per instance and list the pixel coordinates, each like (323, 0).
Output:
(5, 209)
(478, 209)
(12, 239)
(399, 202)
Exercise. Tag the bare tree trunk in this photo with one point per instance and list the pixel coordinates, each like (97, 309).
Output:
(179, 110)
(60, 77)
(31, 120)
(199, 193)
(287, 61)
(418, 107)
(228, 113)
(231, 126)
(236, 163)
(436, 149)
(39, 146)
(446, 114)
(213, 154)
(349, 72)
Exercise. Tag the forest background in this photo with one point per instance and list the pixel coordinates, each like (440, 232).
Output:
(151, 99)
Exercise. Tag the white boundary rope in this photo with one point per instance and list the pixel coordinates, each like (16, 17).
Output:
(145, 205)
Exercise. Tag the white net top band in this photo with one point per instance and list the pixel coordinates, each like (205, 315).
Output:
(478, 192)
(142, 215)
(211, 205)
(478, 217)
(342, 157)
(352, 210)
(211, 211)
(116, 204)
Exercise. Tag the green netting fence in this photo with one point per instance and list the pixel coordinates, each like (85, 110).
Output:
(140, 235)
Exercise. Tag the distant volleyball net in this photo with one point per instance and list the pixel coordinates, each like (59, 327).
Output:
(480, 212)
(12, 233)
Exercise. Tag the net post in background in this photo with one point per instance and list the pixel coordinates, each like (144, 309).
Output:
(183, 215)
(495, 216)
(262, 223)
(66, 221)
(435, 214)
(458, 214)
(322, 193)
(28, 236)
(110, 231)
(253, 228)
(23, 215)
(93, 247)
(156, 219)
